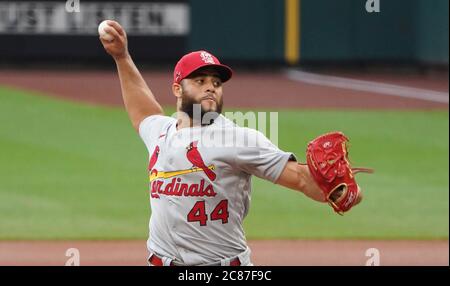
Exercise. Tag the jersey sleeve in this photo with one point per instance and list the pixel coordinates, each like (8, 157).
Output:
(152, 127)
(260, 157)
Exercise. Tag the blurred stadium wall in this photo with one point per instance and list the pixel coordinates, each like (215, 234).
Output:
(251, 31)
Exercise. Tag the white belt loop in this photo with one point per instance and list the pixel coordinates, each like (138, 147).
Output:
(225, 262)
(166, 261)
(244, 257)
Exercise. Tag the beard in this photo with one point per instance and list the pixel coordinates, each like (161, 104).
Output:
(207, 116)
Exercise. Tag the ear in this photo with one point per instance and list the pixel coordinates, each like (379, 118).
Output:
(177, 90)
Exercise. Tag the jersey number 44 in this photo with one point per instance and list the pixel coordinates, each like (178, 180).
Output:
(198, 213)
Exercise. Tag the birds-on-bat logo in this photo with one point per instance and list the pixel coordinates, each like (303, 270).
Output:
(176, 187)
(194, 156)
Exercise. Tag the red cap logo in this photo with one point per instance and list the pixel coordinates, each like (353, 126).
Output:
(207, 58)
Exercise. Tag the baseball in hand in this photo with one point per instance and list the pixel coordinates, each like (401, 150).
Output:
(103, 34)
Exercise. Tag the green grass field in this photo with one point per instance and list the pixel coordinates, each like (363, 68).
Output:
(74, 171)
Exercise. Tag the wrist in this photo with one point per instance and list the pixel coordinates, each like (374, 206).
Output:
(122, 58)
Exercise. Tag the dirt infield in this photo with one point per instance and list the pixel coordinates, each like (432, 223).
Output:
(272, 253)
(245, 90)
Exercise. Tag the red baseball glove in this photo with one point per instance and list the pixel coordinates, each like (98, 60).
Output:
(327, 159)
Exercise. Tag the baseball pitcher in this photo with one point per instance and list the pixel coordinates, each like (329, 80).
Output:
(201, 163)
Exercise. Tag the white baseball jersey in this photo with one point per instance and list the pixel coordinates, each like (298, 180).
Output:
(200, 185)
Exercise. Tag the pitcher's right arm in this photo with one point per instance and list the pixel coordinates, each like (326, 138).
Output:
(137, 96)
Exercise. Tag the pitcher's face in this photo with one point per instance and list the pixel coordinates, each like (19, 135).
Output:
(202, 87)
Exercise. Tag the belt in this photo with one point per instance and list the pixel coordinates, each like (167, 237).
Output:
(156, 261)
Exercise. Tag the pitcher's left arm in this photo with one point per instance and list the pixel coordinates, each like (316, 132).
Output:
(327, 175)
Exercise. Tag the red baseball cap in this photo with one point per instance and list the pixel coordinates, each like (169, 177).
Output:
(191, 62)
